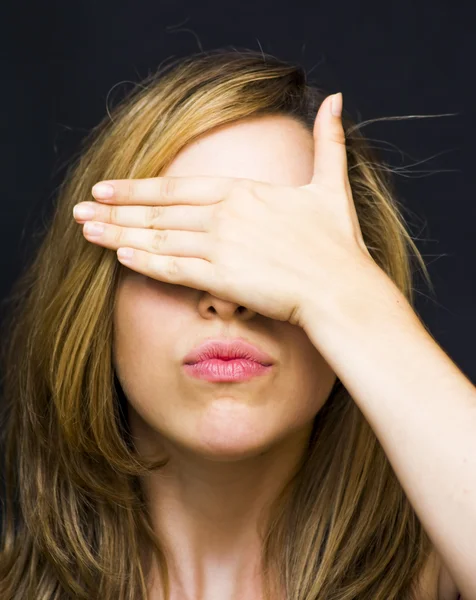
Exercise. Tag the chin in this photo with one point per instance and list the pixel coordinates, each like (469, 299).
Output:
(235, 443)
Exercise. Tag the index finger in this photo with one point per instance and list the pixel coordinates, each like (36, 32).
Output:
(165, 191)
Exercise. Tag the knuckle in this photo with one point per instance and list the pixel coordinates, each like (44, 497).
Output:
(243, 184)
(118, 236)
(172, 267)
(158, 240)
(247, 190)
(168, 187)
(153, 216)
(114, 214)
(131, 190)
(240, 188)
(338, 136)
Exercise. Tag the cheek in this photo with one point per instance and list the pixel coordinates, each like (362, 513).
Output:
(311, 384)
(308, 380)
(148, 321)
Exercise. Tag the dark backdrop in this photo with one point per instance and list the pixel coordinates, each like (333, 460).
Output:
(62, 61)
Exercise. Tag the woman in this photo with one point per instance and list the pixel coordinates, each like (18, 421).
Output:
(297, 470)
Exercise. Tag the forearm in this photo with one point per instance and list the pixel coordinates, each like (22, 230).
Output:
(418, 403)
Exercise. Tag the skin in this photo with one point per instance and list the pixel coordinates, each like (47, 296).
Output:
(232, 446)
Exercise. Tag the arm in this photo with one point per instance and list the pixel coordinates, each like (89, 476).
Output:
(418, 403)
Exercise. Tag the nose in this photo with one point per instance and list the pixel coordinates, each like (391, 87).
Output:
(210, 306)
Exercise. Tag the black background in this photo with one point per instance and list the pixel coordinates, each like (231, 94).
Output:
(63, 62)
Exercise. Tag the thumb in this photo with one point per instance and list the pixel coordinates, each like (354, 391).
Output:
(330, 158)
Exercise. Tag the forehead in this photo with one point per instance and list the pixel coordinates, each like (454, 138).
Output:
(274, 149)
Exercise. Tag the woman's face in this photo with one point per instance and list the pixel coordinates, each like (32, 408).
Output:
(156, 324)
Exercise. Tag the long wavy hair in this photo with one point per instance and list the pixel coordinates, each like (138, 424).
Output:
(75, 522)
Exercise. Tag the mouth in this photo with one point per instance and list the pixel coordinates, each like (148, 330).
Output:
(224, 350)
(228, 359)
(236, 370)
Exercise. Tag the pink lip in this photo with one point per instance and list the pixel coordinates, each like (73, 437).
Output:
(227, 349)
(238, 369)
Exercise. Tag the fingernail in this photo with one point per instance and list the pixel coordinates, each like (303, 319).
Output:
(125, 254)
(336, 104)
(102, 190)
(83, 212)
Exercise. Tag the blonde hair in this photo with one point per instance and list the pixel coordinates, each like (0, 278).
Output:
(76, 523)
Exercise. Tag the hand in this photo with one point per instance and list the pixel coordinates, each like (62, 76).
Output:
(261, 245)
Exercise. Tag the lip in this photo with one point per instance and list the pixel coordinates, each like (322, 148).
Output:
(234, 370)
(227, 349)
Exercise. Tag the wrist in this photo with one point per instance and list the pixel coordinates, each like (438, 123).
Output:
(364, 298)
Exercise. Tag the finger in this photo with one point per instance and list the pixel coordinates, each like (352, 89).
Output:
(166, 191)
(330, 152)
(191, 272)
(190, 218)
(174, 243)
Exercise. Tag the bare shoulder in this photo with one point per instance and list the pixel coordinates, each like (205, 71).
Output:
(447, 589)
(435, 581)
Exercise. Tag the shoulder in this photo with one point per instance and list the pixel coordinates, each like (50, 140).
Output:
(435, 581)
(447, 589)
